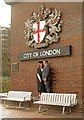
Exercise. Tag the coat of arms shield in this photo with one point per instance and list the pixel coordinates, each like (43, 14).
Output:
(39, 31)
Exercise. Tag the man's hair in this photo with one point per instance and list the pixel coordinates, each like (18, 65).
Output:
(46, 61)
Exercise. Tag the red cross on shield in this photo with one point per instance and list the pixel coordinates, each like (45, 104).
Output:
(39, 31)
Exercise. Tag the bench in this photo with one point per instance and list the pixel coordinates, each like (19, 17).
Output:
(19, 96)
(64, 100)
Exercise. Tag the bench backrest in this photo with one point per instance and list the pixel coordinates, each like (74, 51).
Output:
(58, 98)
(20, 95)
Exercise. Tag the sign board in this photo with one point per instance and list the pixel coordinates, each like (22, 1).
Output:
(15, 66)
(45, 53)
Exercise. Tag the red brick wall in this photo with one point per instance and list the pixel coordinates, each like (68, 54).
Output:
(67, 71)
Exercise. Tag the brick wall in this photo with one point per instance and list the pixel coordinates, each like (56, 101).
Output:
(67, 71)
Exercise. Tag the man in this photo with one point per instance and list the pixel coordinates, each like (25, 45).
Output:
(46, 76)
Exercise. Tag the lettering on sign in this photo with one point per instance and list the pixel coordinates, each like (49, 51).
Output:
(60, 51)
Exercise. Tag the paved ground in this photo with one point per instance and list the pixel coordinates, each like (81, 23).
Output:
(32, 112)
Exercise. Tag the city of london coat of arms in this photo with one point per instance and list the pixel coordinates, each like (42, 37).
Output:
(43, 27)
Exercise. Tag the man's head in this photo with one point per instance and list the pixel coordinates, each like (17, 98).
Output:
(45, 62)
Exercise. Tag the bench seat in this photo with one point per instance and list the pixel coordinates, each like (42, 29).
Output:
(13, 99)
(48, 103)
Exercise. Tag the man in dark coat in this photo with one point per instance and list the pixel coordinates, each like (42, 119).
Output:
(46, 76)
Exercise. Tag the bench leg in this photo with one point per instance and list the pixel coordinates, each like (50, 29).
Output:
(20, 104)
(70, 109)
(4, 103)
(63, 110)
(28, 106)
(39, 108)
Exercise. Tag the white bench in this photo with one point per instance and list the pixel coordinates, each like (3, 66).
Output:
(64, 100)
(20, 96)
